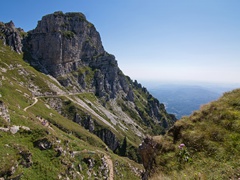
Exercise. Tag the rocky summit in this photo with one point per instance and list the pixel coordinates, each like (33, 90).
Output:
(69, 48)
(61, 43)
(66, 109)
(12, 36)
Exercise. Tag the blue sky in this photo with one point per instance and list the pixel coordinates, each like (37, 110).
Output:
(155, 40)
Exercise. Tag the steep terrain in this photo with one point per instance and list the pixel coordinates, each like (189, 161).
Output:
(204, 145)
(75, 112)
(69, 48)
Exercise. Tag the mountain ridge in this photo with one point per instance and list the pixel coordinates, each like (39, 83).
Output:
(78, 94)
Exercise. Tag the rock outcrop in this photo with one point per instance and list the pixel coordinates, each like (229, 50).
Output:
(12, 36)
(109, 138)
(4, 112)
(61, 43)
(87, 122)
(147, 151)
(65, 43)
(43, 144)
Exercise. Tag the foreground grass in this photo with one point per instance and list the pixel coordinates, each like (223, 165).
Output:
(211, 137)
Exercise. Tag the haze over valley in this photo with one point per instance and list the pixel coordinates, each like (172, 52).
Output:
(183, 100)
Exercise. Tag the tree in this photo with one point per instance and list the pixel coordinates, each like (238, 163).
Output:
(123, 148)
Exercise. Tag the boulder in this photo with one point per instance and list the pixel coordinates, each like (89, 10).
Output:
(43, 144)
(14, 129)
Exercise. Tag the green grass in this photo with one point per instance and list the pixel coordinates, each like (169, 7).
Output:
(88, 73)
(15, 94)
(68, 34)
(211, 136)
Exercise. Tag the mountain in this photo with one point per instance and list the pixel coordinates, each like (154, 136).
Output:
(66, 109)
(204, 145)
(182, 100)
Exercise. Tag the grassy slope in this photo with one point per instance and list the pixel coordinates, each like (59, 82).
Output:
(211, 136)
(46, 165)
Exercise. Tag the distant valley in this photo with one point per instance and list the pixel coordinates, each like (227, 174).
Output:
(182, 100)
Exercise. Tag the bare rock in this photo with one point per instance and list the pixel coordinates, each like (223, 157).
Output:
(11, 36)
(25, 128)
(4, 112)
(4, 129)
(109, 138)
(26, 158)
(61, 42)
(43, 144)
(14, 129)
(147, 151)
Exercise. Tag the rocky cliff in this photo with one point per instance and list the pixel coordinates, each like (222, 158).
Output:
(61, 43)
(69, 48)
(12, 36)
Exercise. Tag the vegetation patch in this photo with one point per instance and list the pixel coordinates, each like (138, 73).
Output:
(68, 34)
(211, 143)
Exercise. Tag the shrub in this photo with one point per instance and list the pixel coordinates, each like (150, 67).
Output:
(68, 34)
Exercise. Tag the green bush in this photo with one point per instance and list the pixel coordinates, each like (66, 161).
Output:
(68, 34)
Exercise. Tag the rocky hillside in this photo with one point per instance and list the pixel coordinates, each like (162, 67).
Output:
(204, 145)
(75, 114)
(69, 48)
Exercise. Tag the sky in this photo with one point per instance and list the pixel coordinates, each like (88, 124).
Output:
(154, 40)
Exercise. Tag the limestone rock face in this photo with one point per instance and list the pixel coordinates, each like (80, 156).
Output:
(108, 78)
(87, 122)
(63, 42)
(109, 138)
(11, 36)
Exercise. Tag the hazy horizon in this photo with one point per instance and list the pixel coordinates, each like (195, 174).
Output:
(164, 41)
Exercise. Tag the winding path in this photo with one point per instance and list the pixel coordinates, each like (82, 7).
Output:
(77, 101)
(59, 95)
(35, 101)
(107, 157)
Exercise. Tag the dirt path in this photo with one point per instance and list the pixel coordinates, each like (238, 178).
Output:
(35, 101)
(107, 157)
(110, 166)
(109, 163)
(59, 95)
